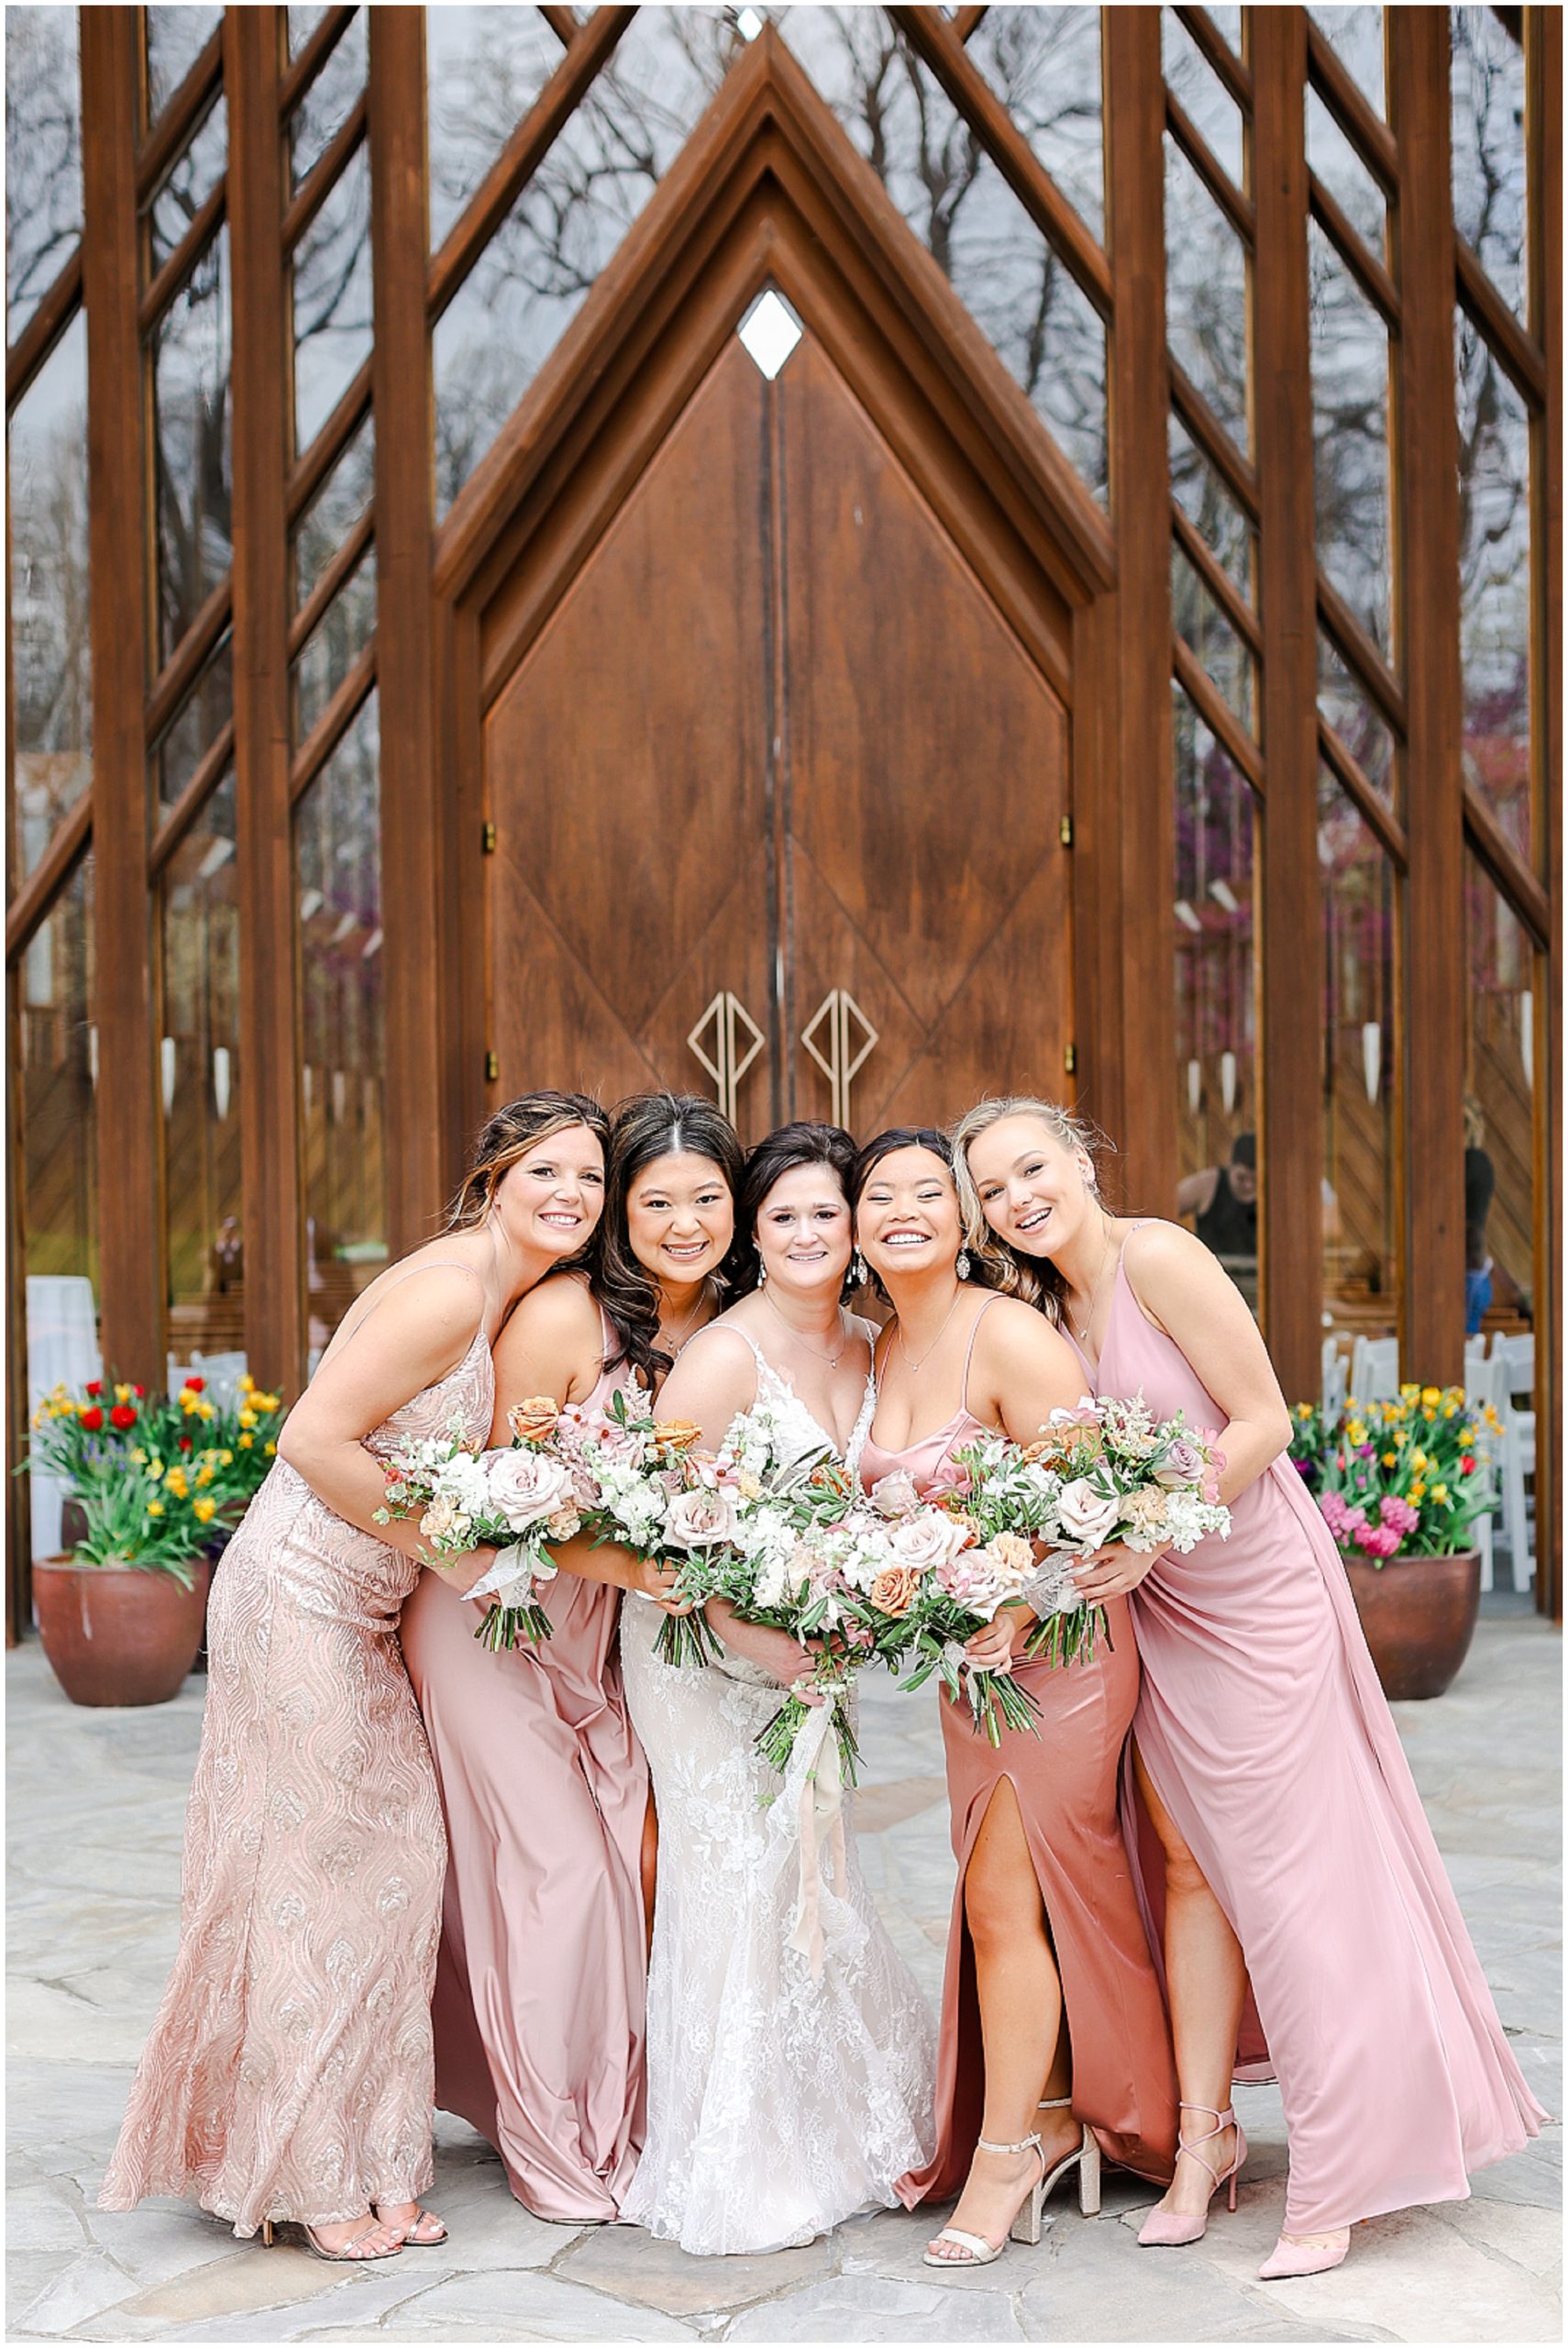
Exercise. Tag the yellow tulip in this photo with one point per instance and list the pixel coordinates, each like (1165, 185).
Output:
(1431, 1394)
(1439, 1494)
(203, 1511)
(245, 1381)
(271, 1451)
(1390, 1459)
(1466, 1434)
(1355, 1431)
(226, 1458)
(205, 1474)
(204, 1410)
(155, 1508)
(247, 1442)
(247, 1418)
(124, 1393)
(155, 1469)
(1418, 1491)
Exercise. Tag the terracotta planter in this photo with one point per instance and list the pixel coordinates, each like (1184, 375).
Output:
(1419, 1615)
(118, 1634)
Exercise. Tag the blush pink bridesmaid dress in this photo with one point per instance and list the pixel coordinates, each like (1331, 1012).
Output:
(1064, 1781)
(541, 1986)
(1266, 1732)
(289, 2072)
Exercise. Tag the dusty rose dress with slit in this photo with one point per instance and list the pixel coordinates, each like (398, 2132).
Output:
(1266, 1735)
(1064, 1781)
(289, 2071)
(541, 1985)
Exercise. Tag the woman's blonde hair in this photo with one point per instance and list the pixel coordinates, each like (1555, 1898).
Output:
(510, 1135)
(1033, 1277)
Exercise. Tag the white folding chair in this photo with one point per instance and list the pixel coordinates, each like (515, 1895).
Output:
(1515, 1357)
(1375, 1369)
(1335, 1377)
(1484, 1384)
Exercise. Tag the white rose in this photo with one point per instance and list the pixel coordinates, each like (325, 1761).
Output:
(1085, 1514)
(703, 1519)
(527, 1486)
(895, 1495)
(927, 1540)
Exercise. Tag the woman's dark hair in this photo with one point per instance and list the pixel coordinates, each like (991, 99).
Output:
(509, 1135)
(870, 1157)
(650, 1126)
(799, 1145)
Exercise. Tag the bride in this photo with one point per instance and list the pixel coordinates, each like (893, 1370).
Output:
(788, 2087)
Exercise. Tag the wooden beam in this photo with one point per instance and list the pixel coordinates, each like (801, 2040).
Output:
(343, 565)
(332, 724)
(1217, 713)
(1239, 209)
(180, 119)
(1354, 251)
(1356, 117)
(1363, 792)
(1140, 473)
(1214, 441)
(1517, 352)
(1291, 949)
(129, 1129)
(1361, 655)
(1233, 73)
(328, 444)
(205, 222)
(499, 189)
(324, 174)
(933, 41)
(210, 769)
(1543, 134)
(31, 350)
(413, 833)
(1426, 472)
(299, 74)
(1512, 877)
(965, 20)
(34, 900)
(563, 23)
(271, 1143)
(187, 661)
(1216, 579)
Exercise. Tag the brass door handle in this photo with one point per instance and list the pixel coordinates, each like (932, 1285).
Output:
(846, 1054)
(732, 1053)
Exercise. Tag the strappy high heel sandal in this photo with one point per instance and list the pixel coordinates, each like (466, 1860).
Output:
(1025, 2227)
(412, 2237)
(1086, 2160)
(1161, 2229)
(350, 2254)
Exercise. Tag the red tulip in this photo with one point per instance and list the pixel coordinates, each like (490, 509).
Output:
(194, 1385)
(91, 1419)
(96, 1387)
(122, 1415)
(1467, 1466)
(140, 1394)
(184, 1443)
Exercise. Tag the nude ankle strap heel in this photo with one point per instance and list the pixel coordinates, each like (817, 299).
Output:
(1085, 2158)
(1025, 2227)
(1161, 2229)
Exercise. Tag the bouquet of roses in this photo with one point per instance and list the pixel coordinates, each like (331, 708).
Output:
(519, 1500)
(639, 1480)
(1123, 1476)
(1010, 1492)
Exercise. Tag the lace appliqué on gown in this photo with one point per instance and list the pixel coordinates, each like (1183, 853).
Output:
(778, 2103)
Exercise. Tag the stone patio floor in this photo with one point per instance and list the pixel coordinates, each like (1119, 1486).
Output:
(95, 1815)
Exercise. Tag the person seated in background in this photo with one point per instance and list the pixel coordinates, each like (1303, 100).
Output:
(1480, 1181)
(1223, 1204)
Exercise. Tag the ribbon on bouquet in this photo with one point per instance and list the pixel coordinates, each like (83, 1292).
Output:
(822, 1815)
(960, 1659)
(510, 1580)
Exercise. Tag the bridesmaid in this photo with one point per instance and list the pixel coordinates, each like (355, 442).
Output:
(1295, 1844)
(540, 1987)
(288, 2076)
(1050, 1989)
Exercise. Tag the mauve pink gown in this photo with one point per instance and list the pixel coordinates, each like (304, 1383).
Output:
(541, 1985)
(1268, 1738)
(1064, 1781)
(289, 2071)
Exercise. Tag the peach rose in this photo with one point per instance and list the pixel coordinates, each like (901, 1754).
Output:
(674, 1435)
(894, 1589)
(535, 1419)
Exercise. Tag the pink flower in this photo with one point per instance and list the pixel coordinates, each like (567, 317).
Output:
(958, 1579)
(1184, 1464)
(1399, 1514)
(895, 1495)
(1377, 1540)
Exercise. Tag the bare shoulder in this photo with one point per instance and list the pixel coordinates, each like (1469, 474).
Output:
(439, 1291)
(560, 1310)
(1011, 1332)
(1167, 1264)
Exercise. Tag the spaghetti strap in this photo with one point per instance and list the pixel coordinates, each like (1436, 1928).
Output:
(969, 1356)
(442, 1264)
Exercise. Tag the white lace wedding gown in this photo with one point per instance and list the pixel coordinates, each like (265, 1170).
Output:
(780, 2101)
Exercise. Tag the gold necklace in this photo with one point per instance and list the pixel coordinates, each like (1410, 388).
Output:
(1080, 1329)
(832, 1360)
(916, 1367)
(671, 1344)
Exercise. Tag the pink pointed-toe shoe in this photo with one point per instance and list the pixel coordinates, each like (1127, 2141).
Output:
(1161, 2229)
(1288, 2258)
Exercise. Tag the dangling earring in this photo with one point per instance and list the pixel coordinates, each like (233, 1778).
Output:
(962, 1263)
(857, 1273)
(761, 1271)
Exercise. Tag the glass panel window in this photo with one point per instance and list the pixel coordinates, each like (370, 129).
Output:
(1227, 22)
(1210, 637)
(1499, 1138)
(1206, 295)
(1487, 88)
(334, 645)
(303, 22)
(1350, 432)
(202, 717)
(43, 155)
(1361, 1288)
(327, 105)
(175, 38)
(1044, 64)
(191, 359)
(535, 272)
(199, 1070)
(332, 298)
(1345, 176)
(484, 68)
(1212, 511)
(1355, 35)
(338, 865)
(1356, 720)
(53, 1096)
(1197, 89)
(189, 184)
(332, 513)
(51, 674)
(1494, 584)
(1216, 981)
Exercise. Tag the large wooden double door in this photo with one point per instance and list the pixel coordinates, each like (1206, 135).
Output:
(778, 792)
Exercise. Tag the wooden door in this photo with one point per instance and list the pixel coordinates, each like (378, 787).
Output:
(777, 790)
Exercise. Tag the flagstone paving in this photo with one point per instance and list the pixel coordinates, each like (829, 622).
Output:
(96, 1807)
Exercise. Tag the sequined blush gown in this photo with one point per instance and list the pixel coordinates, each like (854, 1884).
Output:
(1064, 1781)
(541, 1981)
(289, 2072)
(1266, 1735)
(782, 2099)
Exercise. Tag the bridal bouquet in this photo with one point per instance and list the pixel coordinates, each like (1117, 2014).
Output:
(639, 1480)
(1120, 1475)
(519, 1500)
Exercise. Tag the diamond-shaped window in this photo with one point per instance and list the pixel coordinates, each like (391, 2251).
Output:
(770, 331)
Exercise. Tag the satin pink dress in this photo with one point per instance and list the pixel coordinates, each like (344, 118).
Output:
(1267, 1737)
(541, 1986)
(1064, 1781)
(289, 2072)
